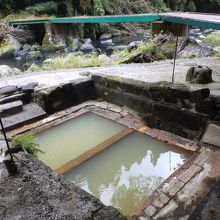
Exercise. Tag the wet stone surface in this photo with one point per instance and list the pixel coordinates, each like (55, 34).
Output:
(38, 193)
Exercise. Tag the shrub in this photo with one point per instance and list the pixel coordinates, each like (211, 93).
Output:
(213, 39)
(49, 8)
(147, 52)
(27, 143)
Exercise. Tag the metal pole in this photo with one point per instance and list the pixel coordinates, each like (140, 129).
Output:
(6, 140)
(174, 61)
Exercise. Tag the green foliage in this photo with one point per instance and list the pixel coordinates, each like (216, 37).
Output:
(147, 52)
(27, 143)
(49, 8)
(190, 6)
(98, 8)
(160, 5)
(33, 68)
(213, 39)
(73, 60)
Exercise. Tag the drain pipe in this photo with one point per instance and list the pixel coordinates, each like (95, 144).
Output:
(9, 163)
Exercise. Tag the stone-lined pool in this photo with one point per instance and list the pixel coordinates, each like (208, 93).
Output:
(118, 165)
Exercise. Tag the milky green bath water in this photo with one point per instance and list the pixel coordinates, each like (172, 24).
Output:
(128, 171)
(70, 139)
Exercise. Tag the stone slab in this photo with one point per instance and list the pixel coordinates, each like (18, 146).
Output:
(150, 210)
(37, 192)
(10, 108)
(161, 200)
(172, 205)
(189, 173)
(31, 112)
(25, 98)
(29, 88)
(212, 135)
(8, 90)
(173, 187)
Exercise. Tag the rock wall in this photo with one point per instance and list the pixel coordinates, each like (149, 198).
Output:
(175, 108)
(65, 96)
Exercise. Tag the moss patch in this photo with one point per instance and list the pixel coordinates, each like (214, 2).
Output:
(6, 49)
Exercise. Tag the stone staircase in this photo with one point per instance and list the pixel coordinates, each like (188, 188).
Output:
(16, 108)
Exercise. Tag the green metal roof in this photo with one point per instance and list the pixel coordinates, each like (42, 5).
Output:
(109, 19)
(26, 22)
(192, 19)
(192, 22)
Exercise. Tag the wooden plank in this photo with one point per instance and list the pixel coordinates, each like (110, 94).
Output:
(92, 152)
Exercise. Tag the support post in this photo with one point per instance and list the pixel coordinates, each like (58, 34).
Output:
(9, 163)
(174, 60)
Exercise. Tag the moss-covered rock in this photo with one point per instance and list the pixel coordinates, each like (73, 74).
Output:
(35, 47)
(8, 47)
(34, 55)
(199, 75)
(33, 68)
(6, 71)
(26, 46)
(53, 42)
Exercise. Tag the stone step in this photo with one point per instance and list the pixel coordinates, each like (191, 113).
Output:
(6, 90)
(31, 113)
(10, 108)
(25, 98)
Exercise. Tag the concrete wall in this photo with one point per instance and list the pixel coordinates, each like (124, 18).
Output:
(65, 96)
(175, 109)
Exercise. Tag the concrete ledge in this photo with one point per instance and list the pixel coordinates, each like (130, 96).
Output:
(212, 135)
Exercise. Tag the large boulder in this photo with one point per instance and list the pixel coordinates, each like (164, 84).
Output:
(74, 44)
(9, 47)
(27, 47)
(6, 71)
(21, 54)
(134, 45)
(199, 75)
(87, 48)
(193, 47)
(35, 47)
(107, 42)
(53, 42)
(105, 37)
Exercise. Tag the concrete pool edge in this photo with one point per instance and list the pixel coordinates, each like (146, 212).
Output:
(112, 112)
(127, 118)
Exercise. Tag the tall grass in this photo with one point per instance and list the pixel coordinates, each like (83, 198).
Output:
(213, 39)
(73, 60)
